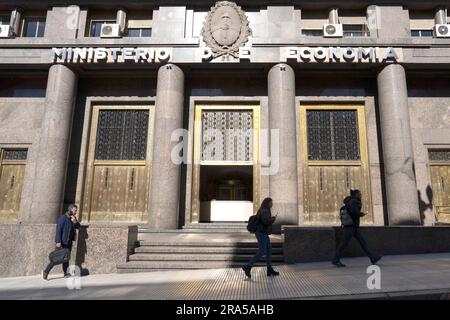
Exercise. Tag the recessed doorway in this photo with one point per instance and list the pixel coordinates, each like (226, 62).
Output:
(226, 178)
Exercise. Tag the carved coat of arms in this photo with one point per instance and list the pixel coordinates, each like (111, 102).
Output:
(226, 29)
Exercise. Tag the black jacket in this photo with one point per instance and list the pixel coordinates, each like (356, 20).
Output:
(265, 222)
(353, 206)
(65, 230)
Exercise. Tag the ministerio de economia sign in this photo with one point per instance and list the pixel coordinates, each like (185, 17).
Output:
(206, 55)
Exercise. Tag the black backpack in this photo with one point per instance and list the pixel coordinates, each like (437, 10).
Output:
(253, 223)
(346, 218)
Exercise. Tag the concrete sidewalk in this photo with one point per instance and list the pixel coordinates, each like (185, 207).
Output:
(400, 276)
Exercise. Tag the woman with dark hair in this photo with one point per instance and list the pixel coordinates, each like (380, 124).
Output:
(264, 229)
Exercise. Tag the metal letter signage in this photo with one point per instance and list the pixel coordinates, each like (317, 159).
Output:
(340, 55)
(226, 29)
(236, 53)
(111, 55)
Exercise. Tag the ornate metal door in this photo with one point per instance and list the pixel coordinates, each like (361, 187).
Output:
(118, 165)
(12, 172)
(440, 180)
(335, 158)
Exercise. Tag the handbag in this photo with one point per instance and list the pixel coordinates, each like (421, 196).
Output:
(59, 256)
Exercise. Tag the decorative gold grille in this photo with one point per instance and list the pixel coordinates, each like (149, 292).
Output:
(227, 135)
(15, 154)
(332, 135)
(439, 155)
(122, 135)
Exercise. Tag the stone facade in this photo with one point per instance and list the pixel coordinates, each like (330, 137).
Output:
(224, 52)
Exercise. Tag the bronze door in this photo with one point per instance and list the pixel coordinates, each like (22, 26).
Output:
(335, 158)
(440, 180)
(12, 172)
(118, 166)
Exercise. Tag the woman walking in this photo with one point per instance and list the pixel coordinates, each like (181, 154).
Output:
(262, 233)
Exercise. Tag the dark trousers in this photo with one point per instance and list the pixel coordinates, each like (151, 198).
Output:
(65, 265)
(349, 233)
(264, 248)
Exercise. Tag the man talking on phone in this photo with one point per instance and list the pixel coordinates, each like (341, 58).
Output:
(64, 236)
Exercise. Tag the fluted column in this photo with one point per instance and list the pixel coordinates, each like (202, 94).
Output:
(283, 184)
(165, 182)
(53, 146)
(398, 159)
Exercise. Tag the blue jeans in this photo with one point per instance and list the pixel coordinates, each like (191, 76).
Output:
(264, 248)
(348, 234)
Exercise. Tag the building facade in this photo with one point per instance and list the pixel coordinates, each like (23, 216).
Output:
(174, 114)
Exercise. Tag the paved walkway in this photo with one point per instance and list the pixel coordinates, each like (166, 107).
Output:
(400, 275)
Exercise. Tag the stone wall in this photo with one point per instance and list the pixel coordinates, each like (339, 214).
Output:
(306, 244)
(430, 126)
(24, 249)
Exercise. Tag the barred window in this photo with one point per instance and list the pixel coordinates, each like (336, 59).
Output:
(227, 135)
(439, 155)
(122, 135)
(332, 135)
(15, 154)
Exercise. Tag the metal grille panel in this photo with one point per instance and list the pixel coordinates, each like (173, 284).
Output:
(332, 135)
(122, 135)
(442, 155)
(227, 135)
(15, 154)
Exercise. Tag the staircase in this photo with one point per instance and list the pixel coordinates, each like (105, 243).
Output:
(199, 246)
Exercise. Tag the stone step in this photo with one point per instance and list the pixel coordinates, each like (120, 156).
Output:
(146, 266)
(216, 225)
(195, 257)
(197, 230)
(250, 243)
(202, 250)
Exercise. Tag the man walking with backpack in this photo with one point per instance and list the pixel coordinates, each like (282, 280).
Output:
(64, 236)
(352, 206)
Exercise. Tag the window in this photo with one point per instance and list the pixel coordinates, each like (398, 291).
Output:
(312, 32)
(122, 135)
(4, 20)
(312, 23)
(421, 23)
(15, 154)
(33, 27)
(332, 135)
(139, 33)
(422, 33)
(23, 86)
(439, 155)
(355, 30)
(139, 28)
(95, 28)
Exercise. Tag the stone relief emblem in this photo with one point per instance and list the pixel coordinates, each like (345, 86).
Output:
(226, 29)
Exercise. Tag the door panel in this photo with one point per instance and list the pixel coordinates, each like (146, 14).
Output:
(12, 173)
(117, 193)
(118, 173)
(335, 161)
(327, 186)
(11, 183)
(440, 178)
